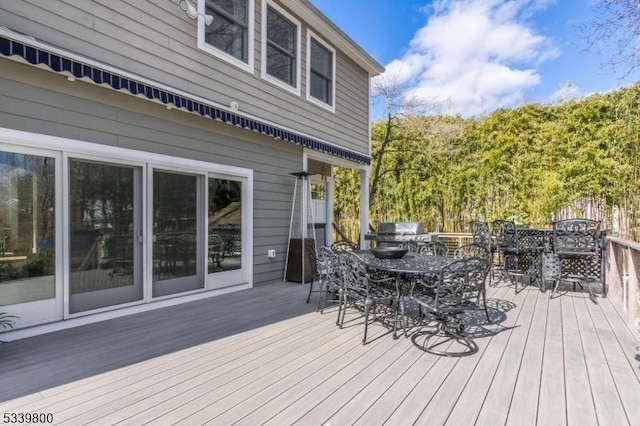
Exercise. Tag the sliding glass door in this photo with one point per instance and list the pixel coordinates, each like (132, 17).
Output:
(87, 228)
(177, 233)
(105, 235)
(29, 262)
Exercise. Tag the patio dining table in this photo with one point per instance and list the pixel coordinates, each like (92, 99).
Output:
(405, 270)
(426, 265)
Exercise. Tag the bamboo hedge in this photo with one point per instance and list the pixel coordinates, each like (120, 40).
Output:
(538, 163)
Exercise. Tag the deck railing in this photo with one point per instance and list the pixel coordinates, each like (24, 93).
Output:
(621, 272)
(454, 240)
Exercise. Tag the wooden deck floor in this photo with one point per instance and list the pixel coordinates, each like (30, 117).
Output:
(263, 356)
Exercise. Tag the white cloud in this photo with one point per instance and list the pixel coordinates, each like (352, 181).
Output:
(475, 55)
(566, 92)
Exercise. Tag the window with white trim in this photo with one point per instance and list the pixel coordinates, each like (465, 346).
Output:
(230, 35)
(320, 72)
(280, 47)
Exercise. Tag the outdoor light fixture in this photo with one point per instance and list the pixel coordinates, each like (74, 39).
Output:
(193, 13)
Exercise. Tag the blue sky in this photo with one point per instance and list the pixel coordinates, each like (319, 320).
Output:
(473, 56)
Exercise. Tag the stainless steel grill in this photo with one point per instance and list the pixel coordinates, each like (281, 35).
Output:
(393, 233)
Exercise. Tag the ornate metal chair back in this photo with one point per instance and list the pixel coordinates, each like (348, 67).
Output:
(472, 250)
(576, 237)
(435, 248)
(344, 245)
(354, 272)
(326, 262)
(504, 233)
(480, 232)
(461, 282)
(411, 245)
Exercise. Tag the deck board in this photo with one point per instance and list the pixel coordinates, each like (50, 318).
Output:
(263, 356)
(609, 407)
(226, 377)
(214, 387)
(354, 407)
(480, 381)
(580, 411)
(524, 400)
(496, 401)
(192, 357)
(188, 379)
(618, 360)
(422, 395)
(552, 403)
(330, 406)
(626, 336)
(281, 380)
(381, 409)
(355, 361)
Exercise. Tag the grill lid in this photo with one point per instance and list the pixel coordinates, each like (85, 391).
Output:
(400, 228)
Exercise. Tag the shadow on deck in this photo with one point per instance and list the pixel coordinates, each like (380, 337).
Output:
(49, 360)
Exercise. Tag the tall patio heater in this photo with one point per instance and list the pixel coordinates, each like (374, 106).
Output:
(301, 251)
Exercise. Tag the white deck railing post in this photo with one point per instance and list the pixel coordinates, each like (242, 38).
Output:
(621, 274)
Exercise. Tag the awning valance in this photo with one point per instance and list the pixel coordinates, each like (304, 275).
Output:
(38, 55)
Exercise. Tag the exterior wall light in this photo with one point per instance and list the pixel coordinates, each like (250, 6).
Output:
(193, 13)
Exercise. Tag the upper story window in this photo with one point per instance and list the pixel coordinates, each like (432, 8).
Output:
(280, 47)
(321, 71)
(230, 35)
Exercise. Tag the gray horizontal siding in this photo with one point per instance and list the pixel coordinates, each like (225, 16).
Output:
(42, 102)
(156, 39)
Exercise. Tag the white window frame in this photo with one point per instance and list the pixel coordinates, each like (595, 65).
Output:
(212, 50)
(330, 107)
(263, 73)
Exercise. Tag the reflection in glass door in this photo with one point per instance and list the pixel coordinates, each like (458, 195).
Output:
(225, 228)
(177, 233)
(105, 235)
(28, 238)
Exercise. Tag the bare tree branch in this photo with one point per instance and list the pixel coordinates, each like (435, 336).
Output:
(397, 101)
(616, 33)
(402, 111)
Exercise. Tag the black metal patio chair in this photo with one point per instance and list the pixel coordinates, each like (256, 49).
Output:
(330, 278)
(436, 248)
(481, 234)
(577, 249)
(411, 246)
(344, 245)
(457, 290)
(318, 262)
(362, 289)
(470, 251)
(515, 247)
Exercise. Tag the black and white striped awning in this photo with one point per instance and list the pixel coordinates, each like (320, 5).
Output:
(38, 56)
